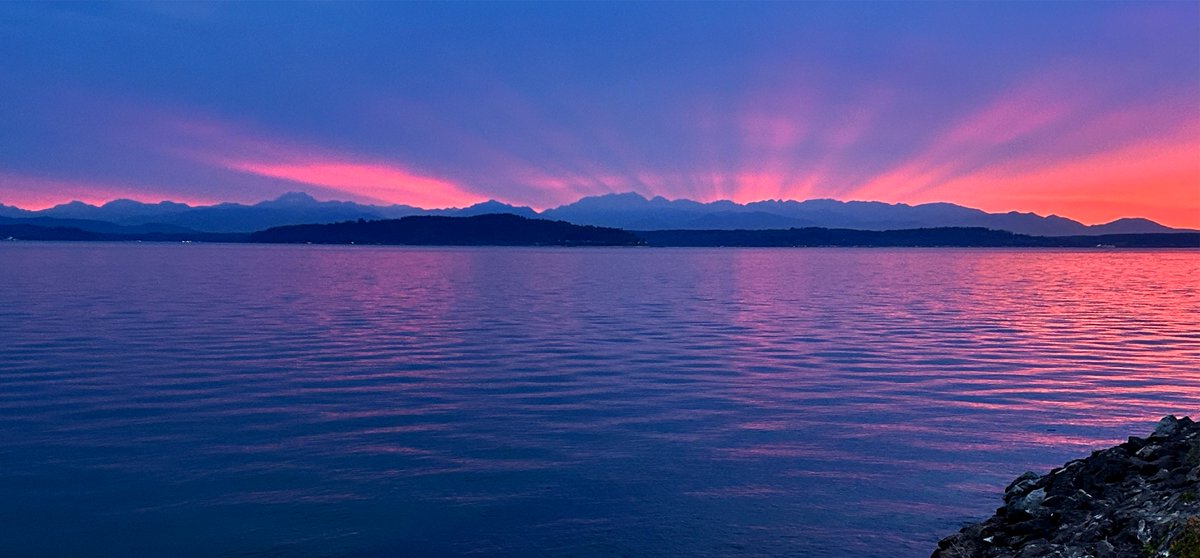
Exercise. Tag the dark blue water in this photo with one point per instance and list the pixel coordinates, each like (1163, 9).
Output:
(222, 400)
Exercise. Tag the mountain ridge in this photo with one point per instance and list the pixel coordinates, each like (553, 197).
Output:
(627, 210)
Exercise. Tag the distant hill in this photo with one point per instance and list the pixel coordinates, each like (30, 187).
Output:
(290, 208)
(487, 208)
(120, 211)
(934, 237)
(479, 230)
(1130, 226)
(514, 230)
(23, 231)
(633, 211)
(628, 211)
(293, 208)
(20, 231)
(91, 225)
(16, 212)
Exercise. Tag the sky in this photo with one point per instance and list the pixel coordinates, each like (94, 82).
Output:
(1089, 110)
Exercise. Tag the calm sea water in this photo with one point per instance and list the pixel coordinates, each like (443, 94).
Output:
(221, 400)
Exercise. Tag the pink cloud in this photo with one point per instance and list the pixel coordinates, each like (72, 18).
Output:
(781, 141)
(1030, 151)
(1012, 116)
(242, 150)
(375, 181)
(561, 178)
(1158, 178)
(851, 122)
(770, 131)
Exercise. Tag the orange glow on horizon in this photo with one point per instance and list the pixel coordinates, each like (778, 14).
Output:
(35, 193)
(1026, 150)
(1115, 170)
(1158, 181)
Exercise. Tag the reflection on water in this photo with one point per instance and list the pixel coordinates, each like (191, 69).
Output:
(322, 401)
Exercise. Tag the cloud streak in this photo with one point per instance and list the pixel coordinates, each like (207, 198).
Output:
(445, 106)
(376, 181)
(235, 148)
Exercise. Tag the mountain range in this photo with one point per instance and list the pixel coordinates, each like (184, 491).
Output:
(635, 212)
(630, 211)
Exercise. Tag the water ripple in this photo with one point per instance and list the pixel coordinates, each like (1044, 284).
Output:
(195, 400)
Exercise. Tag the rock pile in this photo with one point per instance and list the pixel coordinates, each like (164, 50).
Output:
(1140, 499)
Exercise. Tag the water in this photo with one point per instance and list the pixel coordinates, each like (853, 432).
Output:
(226, 400)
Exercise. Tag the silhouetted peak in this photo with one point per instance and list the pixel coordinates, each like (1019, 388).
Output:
(1131, 221)
(493, 206)
(1132, 225)
(623, 196)
(128, 204)
(294, 198)
(622, 201)
(490, 204)
(819, 202)
(938, 205)
(12, 211)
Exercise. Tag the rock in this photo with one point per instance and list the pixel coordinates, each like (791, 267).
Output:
(1055, 501)
(1021, 485)
(1142, 533)
(1165, 427)
(1148, 451)
(1142, 467)
(1135, 499)
(1192, 457)
(1030, 502)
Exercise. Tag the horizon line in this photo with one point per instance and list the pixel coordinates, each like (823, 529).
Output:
(197, 204)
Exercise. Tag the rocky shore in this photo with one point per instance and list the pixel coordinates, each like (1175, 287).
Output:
(1135, 500)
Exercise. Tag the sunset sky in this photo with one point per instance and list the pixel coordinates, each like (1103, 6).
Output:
(1086, 110)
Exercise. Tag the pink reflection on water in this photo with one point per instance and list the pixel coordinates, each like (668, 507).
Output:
(832, 385)
(933, 345)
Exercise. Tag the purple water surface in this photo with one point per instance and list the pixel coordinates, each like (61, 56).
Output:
(241, 400)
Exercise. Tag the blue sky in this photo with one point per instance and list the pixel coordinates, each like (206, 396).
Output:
(1088, 110)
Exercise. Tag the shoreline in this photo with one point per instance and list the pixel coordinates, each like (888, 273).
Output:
(1073, 249)
(513, 230)
(1137, 499)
